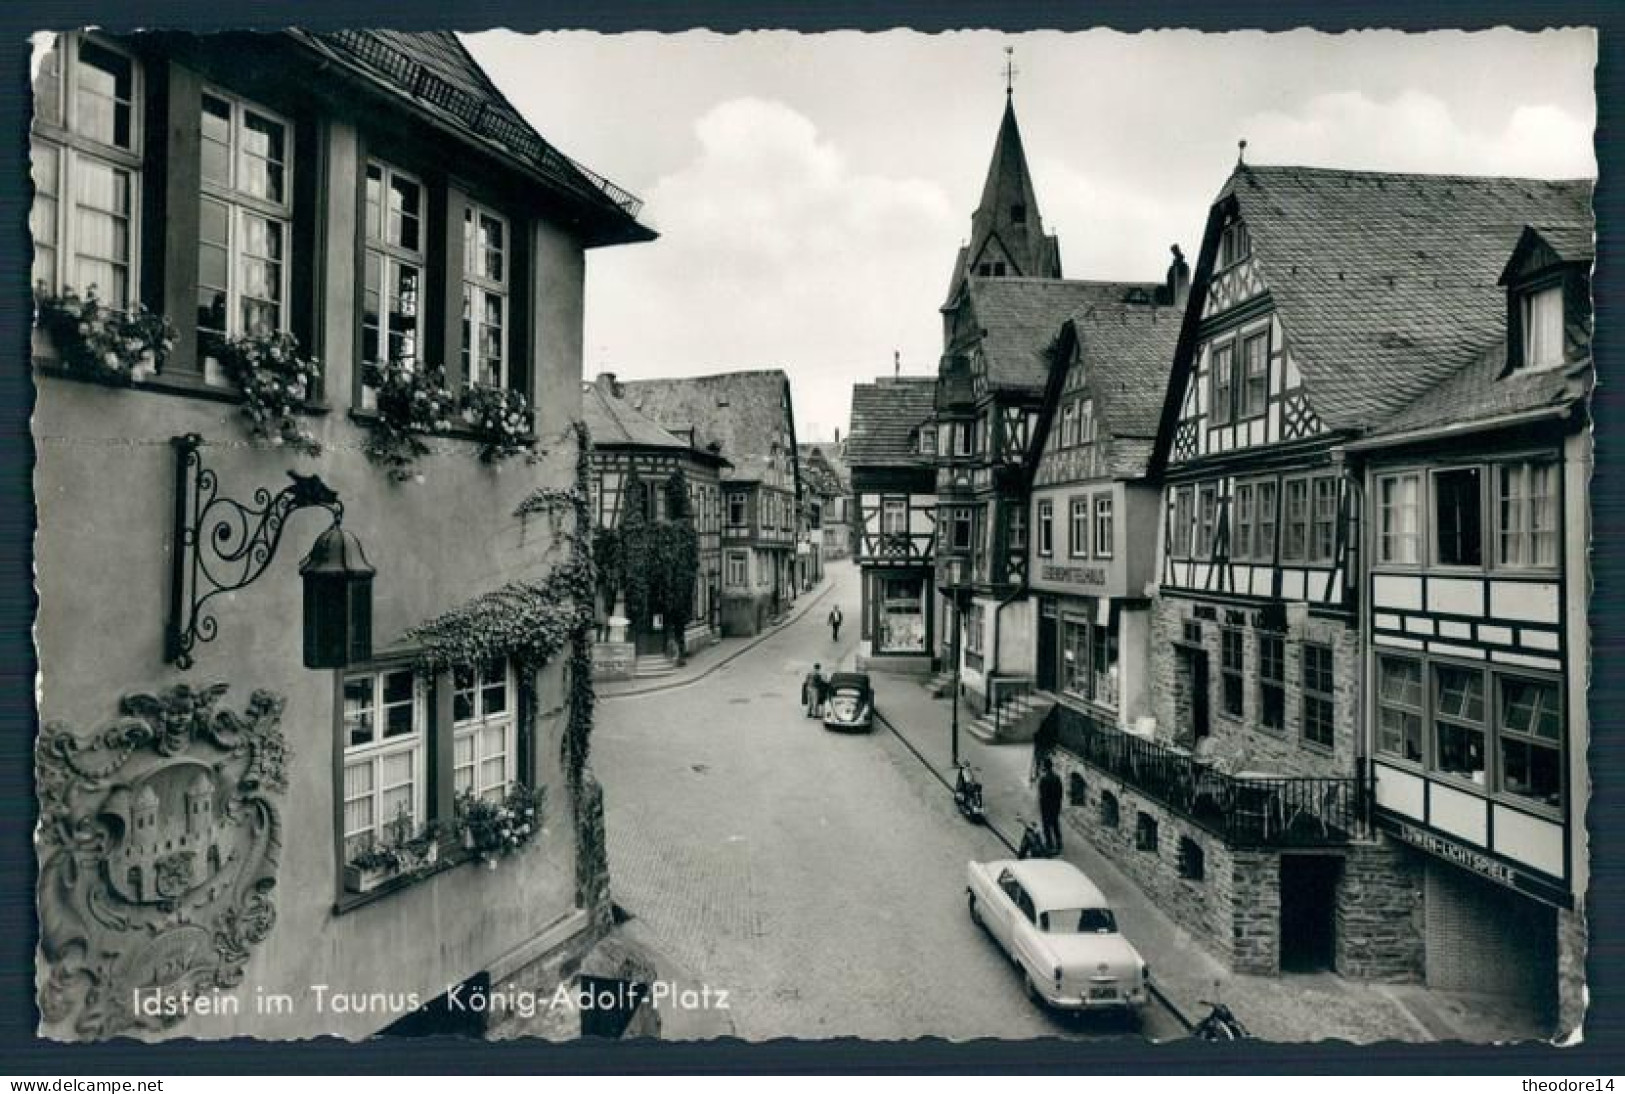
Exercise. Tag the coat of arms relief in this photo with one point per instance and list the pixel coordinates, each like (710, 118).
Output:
(158, 840)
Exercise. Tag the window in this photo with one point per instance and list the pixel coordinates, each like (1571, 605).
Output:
(1046, 528)
(392, 288)
(1018, 529)
(964, 438)
(1206, 514)
(975, 617)
(1530, 740)
(902, 615)
(1231, 668)
(1399, 514)
(1018, 214)
(1069, 425)
(1255, 383)
(1077, 789)
(1145, 832)
(485, 297)
(736, 510)
(1399, 707)
(928, 440)
(1323, 522)
(1109, 813)
(1103, 527)
(894, 517)
(1459, 722)
(383, 756)
(1271, 680)
(1263, 545)
(1458, 517)
(1542, 314)
(736, 575)
(1086, 421)
(1078, 545)
(959, 529)
(1224, 382)
(1192, 860)
(484, 730)
(1243, 523)
(1089, 656)
(1179, 536)
(1526, 515)
(86, 170)
(1075, 657)
(1103, 659)
(1318, 700)
(244, 222)
(1234, 244)
(1295, 544)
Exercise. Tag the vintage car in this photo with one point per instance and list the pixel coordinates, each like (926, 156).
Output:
(850, 702)
(1055, 924)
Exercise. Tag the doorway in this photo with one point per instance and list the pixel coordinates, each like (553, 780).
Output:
(1309, 912)
(1191, 722)
(1046, 645)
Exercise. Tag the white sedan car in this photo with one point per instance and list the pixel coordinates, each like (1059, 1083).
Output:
(1056, 925)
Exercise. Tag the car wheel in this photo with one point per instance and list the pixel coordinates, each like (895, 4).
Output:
(975, 912)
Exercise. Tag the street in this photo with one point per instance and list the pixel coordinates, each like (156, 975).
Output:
(818, 877)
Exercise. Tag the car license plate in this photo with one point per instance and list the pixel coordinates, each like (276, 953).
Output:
(1103, 993)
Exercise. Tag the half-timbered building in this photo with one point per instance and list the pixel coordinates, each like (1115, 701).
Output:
(891, 450)
(633, 461)
(749, 417)
(1476, 647)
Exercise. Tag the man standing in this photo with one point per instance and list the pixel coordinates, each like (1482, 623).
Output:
(1049, 806)
(812, 691)
(835, 623)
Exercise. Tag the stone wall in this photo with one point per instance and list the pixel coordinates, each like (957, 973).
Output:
(1244, 741)
(613, 660)
(1255, 901)
(1380, 925)
(1572, 945)
(744, 616)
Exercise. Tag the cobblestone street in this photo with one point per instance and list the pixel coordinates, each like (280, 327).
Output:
(817, 877)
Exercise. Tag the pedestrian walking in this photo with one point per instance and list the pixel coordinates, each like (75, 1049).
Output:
(812, 692)
(1049, 806)
(835, 623)
(1044, 742)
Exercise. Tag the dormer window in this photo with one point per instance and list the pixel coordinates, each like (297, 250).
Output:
(1543, 327)
(1234, 244)
(1018, 214)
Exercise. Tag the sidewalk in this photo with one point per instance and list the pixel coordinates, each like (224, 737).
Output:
(1285, 1008)
(703, 662)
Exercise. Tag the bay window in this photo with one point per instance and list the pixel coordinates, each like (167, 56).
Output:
(959, 529)
(244, 221)
(85, 152)
(894, 517)
(484, 730)
(384, 735)
(485, 297)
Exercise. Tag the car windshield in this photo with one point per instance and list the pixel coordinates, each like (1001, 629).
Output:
(1080, 921)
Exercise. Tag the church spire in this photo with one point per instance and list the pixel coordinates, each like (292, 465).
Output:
(1007, 234)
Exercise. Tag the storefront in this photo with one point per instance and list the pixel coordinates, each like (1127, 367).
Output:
(902, 612)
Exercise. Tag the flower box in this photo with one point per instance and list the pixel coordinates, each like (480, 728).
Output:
(364, 879)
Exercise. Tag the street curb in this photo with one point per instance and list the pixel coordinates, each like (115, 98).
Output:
(1161, 996)
(734, 656)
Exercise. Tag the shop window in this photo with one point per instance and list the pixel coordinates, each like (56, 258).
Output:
(1319, 701)
(902, 615)
(1192, 859)
(1458, 517)
(1145, 832)
(1109, 814)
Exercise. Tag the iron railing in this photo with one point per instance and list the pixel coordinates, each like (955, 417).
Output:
(1245, 812)
(1000, 690)
(476, 112)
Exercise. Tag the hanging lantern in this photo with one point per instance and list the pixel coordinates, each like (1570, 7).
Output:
(338, 601)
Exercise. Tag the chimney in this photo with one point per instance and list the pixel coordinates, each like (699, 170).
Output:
(896, 364)
(607, 384)
(837, 434)
(1179, 279)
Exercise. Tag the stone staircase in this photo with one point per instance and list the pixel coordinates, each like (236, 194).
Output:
(653, 664)
(1018, 719)
(941, 686)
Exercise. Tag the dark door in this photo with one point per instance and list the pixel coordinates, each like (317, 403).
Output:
(1199, 695)
(1309, 911)
(1046, 651)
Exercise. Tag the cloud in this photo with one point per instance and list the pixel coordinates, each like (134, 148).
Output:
(1415, 131)
(771, 243)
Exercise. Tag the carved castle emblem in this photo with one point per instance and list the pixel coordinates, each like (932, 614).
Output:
(158, 843)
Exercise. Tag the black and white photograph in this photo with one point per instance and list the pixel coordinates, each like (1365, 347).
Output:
(708, 537)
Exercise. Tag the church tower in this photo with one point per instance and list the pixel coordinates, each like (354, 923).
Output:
(1007, 233)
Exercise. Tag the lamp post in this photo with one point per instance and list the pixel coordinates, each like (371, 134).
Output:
(956, 578)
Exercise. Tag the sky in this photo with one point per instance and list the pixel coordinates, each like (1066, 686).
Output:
(811, 190)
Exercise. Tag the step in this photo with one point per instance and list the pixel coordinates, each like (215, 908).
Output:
(982, 730)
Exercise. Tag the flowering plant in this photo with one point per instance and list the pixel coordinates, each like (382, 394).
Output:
(101, 342)
(275, 381)
(493, 829)
(500, 418)
(411, 401)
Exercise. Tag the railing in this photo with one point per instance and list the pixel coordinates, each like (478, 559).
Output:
(476, 113)
(1245, 812)
(1000, 690)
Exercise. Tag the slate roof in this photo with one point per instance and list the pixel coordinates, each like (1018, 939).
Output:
(1555, 242)
(1128, 350)
(885, 417)
(1480, 392)
(744, 412)
(612, 420)
(1020, 317)
(1386, 283)
(440, 78)
(833, 453)
(819, 472)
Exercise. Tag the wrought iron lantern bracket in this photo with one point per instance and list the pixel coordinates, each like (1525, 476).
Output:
(222, 545)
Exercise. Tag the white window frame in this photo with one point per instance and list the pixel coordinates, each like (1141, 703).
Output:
(739, 559)
(1046, 529)
(475, 282)
(1105, 526)
(894, 516)
(75, 152)
(474, 732)
(1526, 511)
(1530, 306)
(736, 498)
(1077, 528)
(380, 748)
(392, 256)
(1388, 537)
(240, 205)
